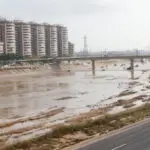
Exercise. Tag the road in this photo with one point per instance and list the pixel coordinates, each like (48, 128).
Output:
(57, 59)
(136, 138)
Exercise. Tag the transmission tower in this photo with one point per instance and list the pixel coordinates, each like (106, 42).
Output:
(85, 49)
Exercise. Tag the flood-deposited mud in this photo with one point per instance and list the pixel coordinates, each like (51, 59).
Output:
(32, 104)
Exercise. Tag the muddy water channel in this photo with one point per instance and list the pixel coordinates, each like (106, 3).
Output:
(23, 96)
(30, 105)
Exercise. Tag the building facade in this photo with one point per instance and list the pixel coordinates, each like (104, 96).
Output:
(71, 49)
(38, 40)
(51, 40)
(62, 40)
(33, 39)
(1, 47)
(7, 36)
(23, 38)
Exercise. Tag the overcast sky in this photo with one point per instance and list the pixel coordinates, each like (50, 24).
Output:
(110, 24)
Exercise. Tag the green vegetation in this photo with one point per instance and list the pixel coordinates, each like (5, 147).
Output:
(6, 57)
(99, 126)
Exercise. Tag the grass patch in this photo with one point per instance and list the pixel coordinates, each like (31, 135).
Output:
(128, 105)
(122, 102)
(102, 125)
(125, 93)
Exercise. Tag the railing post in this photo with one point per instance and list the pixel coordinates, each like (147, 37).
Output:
(93, 67)
(132, 68)
(69, 65)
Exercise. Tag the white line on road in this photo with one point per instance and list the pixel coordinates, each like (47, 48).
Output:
(119, 146)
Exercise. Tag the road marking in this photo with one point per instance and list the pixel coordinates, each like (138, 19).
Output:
(119, 146)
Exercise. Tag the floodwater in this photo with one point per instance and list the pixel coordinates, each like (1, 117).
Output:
(23, 96)
(35, 102)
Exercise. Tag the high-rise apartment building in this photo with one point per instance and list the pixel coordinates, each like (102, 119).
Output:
(7, 36)
(33, 39)
(23, 38)
(51, 40)
(71, 48)
(38, 39)
(1, 47)
(62, 41)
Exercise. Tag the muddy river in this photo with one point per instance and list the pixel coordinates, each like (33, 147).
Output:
(31, 104)
(22, 96)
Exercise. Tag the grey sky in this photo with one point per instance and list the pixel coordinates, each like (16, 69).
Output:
(110, 24)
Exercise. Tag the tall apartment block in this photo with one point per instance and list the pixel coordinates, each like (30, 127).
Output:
(71, 48)
(51, 40)
(38, 39)
(7, 36)
(62, 41)
(23, 38)
(1, 47)
(33, 39)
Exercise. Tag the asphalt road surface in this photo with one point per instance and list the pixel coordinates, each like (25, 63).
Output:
(137, 138)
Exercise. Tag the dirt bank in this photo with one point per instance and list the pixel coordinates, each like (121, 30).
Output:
(65, 136)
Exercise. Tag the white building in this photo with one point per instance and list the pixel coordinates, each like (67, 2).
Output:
(33, 39)
(1, 47)
(7, 36)
(51, 40)
(38, 39)
(62, 37)
(71, 48)
(41, 41)
(23, 38)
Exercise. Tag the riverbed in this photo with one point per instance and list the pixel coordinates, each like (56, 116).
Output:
(30, 105)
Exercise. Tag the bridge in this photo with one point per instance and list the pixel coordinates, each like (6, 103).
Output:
(131, 58)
